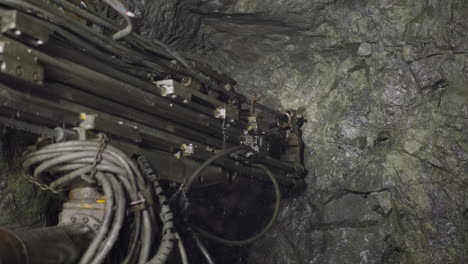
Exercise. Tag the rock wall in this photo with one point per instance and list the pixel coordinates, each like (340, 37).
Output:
(21, 204)
(384, 87)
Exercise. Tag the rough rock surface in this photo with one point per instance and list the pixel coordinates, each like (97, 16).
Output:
(384, 87)
(21, 203)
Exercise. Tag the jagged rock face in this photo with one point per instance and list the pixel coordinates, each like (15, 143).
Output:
(384, 87)
(21, 204)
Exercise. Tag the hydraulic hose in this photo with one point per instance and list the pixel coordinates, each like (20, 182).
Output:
(203, 249)
(185, 187)
(56, 166)
(123, 11)
(167, 218)
(106, 246)
(243, 242)
(94, 246)
(182, 251)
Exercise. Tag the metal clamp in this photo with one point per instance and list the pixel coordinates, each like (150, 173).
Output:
(174, 89)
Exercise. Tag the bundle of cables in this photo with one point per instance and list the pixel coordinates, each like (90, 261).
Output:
(57, 166)
(125, 184)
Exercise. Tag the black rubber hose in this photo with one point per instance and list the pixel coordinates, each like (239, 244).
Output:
(243, 242)
(185, 187)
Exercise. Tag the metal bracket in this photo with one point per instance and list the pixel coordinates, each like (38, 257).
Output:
(174, 89)
(232, 110)
(19, 62)
(23, 26)
(85, 207)
(294, 148)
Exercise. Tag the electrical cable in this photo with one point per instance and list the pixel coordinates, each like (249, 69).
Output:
(59, 165)
(93, 247)
(166, 216)
(182, 251)
(203, 249)
(185, 187)
(106, 246)
(123, 11)
(121, 178)
(243, 242)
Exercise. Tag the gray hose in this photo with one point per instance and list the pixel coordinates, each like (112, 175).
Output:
(117, 223)
(120, 8)
(94, 246)
(146, 239)
(182, 251)
(168, 236)
(203, 249)
(120, 180)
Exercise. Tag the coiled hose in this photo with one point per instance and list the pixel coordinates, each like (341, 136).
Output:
(61, 164)
(273, 218)
(184, 188)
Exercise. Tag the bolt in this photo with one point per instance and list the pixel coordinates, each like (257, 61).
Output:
(174, 96)
(19, 70)
(36, 77)
(185, 101)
